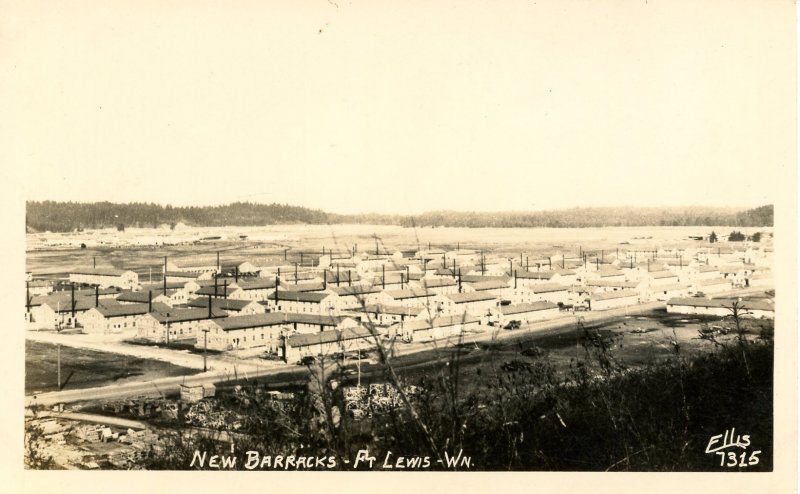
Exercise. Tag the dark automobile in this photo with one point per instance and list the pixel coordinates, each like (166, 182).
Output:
(513, 325)
(307, 360)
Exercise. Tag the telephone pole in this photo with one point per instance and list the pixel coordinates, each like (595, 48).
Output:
(205, 348)
(58, 358)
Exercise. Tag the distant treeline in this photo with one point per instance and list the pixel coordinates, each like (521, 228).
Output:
(68, 216)
(600, 216)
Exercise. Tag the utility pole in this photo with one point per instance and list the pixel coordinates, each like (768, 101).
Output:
(72, 304)
(205, 348)
(359, 367)
(58, 350)
(167, 328)
(165, 275)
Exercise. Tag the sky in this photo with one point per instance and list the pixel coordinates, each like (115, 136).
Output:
(400, 107)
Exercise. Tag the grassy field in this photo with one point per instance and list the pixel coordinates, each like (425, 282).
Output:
(87, 368)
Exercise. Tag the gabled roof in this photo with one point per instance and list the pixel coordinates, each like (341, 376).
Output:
(121, 310)
(302, 287)
(257, 284)
(613, 283)
(391, 279)
(672, 286)
(141, 296)
(703, 268)
(438, 322)
(680, 262)
(252, 321)
(609, 273)
(100, 271)
(547, 288)
(731, 269)
(220, 281)
(715, 281)
(467, 297)
(657, 275)
(445, 272)
(301, 276)
(307, 297)
(185, 315)
(64, 304)
(476, 278)
(437, 282)
(160, 286)
(344, 276)
(344, 291)
(409, 293)
(522, 308)
(314, 319)
(395, 310)
(64, 296)
(330, 336)
(721, 302)
(534, 275)
(489, 285)
(614, 295)
(221, 303)
(218, 291)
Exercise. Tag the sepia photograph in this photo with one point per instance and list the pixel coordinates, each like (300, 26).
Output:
(471, 239)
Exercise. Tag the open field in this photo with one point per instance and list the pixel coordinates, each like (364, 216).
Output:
(82, 368)
(269, 243)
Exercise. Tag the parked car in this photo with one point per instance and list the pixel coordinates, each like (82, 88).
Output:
(307, 360)
(513, 325)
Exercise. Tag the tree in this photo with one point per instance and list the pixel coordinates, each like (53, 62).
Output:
(736, 236)
(712, 238)
(756, 237)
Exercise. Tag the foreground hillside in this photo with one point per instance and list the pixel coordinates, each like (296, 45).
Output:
(598, 415)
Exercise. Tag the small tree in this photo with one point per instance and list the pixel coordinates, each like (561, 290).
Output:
(737, 312)
(756, 237)
(712, 238)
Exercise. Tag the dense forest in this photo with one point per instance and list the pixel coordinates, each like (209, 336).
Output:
(68, 216)
(600, 216)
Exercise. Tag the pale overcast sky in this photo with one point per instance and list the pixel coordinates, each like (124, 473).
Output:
(371, 105)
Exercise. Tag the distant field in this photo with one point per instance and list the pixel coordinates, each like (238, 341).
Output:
(269, 243)
(88, 368)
